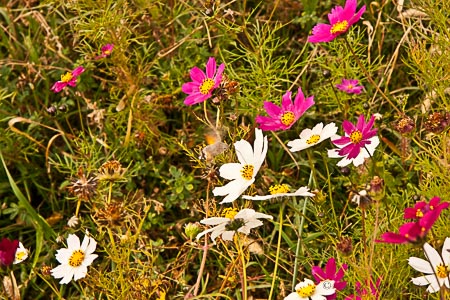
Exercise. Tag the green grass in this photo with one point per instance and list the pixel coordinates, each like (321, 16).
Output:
(129, 108)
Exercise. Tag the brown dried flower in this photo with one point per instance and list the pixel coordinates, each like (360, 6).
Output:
(111, 171)
(437, 122)
(84, 188)
(404, 125)
(111, 214)
(345, 245)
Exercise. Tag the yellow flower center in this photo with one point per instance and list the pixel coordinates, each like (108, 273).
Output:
(287, 118)
(206, 86)
(279, 189)
(339, 27)
(66, 77)
(356, 136)
(350, 86)
(247, 172)
(20, 255)
(107, 52)
(419, 213)
(306, 291)
(229, 212)
(442, 271)
(76, 259)
(313, 139)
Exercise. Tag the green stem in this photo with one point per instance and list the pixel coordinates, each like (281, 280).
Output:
(297, 250)
(277, 256)
(244, 270)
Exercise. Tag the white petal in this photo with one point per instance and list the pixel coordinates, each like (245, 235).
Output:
(204, 232)
(293, 296)
(432, 255)
(325, 288)
(80, 272)
(214, 221)
(228, 235)
(233, 189)
(60, 271)
(231, 171)
(91, 247)
(68, 276)
(73, 242)
(85, 243)
(421, 265)
(446, 251)
(218, 230)
(298, 145)
(244, 152)
(89, 259)
(63, 255)
(425, 280)
(307, 133)
(249, 225)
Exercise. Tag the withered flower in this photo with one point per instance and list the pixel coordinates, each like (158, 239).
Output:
(111, 171)
(404, 125)
(376, 184)
(437, 122)
(345, 245)
(84, 188)
(111, 214)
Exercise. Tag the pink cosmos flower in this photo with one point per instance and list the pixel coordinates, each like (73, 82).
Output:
(340, 21)
(282, 118)
(412, 232)
(421, 208)
(329, 273)
(106, 51)
(362, 292)
(8, 250)
(70, 78)
(203, 84)
(350, 86)
(356, 137)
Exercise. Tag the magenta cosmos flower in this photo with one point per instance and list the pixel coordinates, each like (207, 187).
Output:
(363, 292)
(421, 208)
(340, 21)
(329, 273)
(106, 51)
(203, 84)
(282, 118)
(350, 86)
(412, 232)
(70, 78)
(356, 137)
(8, 250)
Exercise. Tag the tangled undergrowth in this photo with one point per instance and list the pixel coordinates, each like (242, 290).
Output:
(224, 149)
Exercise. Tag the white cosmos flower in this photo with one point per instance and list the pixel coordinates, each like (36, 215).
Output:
(74, 259)
(359, 160)
(21, 254)
(242, 174)
(308, 290)
(436, 267)
(281, 190)
(311, 137)
(233, 222)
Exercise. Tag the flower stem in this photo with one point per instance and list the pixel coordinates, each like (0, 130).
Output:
(297, 249)
(369, 77)
(244, 268)
(109, 193)
(277, 255)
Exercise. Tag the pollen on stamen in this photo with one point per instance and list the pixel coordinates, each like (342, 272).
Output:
(287, 118)
(306, 291)
(247, 172)
(356, 136)
(66, 77)
(279, 189)
(206, 86)
(313, 139)
(339, 27)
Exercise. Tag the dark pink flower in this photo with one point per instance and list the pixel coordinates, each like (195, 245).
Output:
(282, 118)
(330, 273)
(422, 207)
(203, 84)
(340, 21)
(412, 232)
(356, 137)
(363, 292)
(70, 78)
(8, 251)
(106, 51)
(350, 86)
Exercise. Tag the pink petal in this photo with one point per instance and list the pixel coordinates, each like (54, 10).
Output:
(195, 98)
(349, 10)
(190, 87)
(272, 110)
(197, 75)
(286, 102)
(357, 16)
(349, 127)
(58, 86)
(336, 14)
(211, 67)
(77, 71)
(321, 33)
(218, 78)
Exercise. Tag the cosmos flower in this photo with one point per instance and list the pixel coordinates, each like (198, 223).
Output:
(242, 174)
(282, 118)
(106, 51)
(329, 273)
(281, 190)
(421, 208)
(311, 137)
(341, 18)
(436, 267)
(232, 222)
(359, 142)
(74, 259)
(7, 251)
(307, 290)
(21, 254)
(350, 86)
(363, 293)
(70, 78)
(203, 84)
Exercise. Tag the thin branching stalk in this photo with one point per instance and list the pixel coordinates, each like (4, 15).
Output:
(277, 255)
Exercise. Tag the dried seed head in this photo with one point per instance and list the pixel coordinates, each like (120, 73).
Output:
(376, 185)
(84, 188)
(437, 122)
(111, 214)
(404, 125)
(111, 171)
(345, 246)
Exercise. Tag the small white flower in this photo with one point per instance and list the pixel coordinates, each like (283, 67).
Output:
(282, 191)
(233, 222)
(73, 221)
(378, 116)
(21, 254)
(436, 267)
(359, 160)
(311, 137)
(74, 259)
(242, 174)
(307, 290)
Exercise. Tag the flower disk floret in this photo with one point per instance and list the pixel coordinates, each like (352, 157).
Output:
(284, 116)
(202, 85)
(340, 18)
(68, 79)
(312, 137)
(242, 174)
